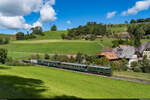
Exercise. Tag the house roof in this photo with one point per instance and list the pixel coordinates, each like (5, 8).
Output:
(143, 47)
(124, 51)
(109, 55)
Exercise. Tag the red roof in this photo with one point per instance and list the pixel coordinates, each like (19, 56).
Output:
(109, 55)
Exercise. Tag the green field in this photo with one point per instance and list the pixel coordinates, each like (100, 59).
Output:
(60, 47)
(51, 35)
(118, 29)
(40, 82)
(6, 35)
(141, 76)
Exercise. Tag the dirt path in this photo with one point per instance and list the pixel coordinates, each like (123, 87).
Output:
(49, 41)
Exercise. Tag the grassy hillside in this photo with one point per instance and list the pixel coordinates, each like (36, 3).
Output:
(51, 35)
(141, 76)
(21, 48)
(39, 82)
(5, 35)
(118, 29)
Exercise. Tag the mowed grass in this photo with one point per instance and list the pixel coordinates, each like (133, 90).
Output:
(105, 42)
(40, 82)
(118, 29)
(6, 35)
(59, 47)
(141, 76)
(22, 55)
(51, 35)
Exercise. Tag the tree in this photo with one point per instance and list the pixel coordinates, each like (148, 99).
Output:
(138, 35)
(4, 40)
(54, 28)
(136, 67)
(55, 57)
(124, 64)
(72, 59)
(20, 36)
(79, 58)
(145, 64)
(104, 62)
(115, 43)
(133, 21)
(3, 55)
(47, 56)
(136, 32)
(37, 30)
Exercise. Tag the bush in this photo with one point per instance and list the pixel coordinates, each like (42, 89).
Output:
(4, 40)
(137, 69)
(3, 55)
(37, 56)
(93, 37)
(11, 62)
(54, 28)
(116, 66)
(47, 56)
(104, 62)
(20, 36)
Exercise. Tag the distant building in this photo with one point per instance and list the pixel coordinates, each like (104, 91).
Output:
(147, 53)
(99, 36)
(144, 49)
(125, 35)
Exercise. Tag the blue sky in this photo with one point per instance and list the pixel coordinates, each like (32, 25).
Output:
(71, 13)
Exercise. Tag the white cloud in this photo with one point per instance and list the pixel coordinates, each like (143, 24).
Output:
(47, 12)
(17, 22)
(111, 14)
(68, 22)
(37, 24)
(12, 12)
(19, 7)
(139, 6)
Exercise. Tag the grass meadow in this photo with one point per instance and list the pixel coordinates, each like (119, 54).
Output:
(41, 82)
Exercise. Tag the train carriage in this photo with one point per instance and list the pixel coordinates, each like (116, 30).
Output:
(78, 67)
(100, 70)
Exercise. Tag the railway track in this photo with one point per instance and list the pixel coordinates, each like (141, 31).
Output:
(112, 77)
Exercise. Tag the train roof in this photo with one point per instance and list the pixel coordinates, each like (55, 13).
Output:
(99, 67)
(74, 64)
(51, 61)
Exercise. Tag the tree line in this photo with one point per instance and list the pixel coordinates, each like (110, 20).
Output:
(35, 31)
(139, 20)
(88, 31)
(138, 32)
